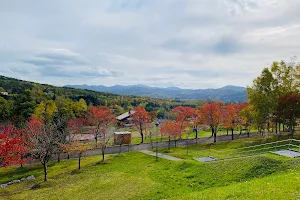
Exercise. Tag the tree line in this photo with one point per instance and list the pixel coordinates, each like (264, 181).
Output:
(24, 98)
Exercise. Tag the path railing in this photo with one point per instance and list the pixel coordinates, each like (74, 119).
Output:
(289, 144)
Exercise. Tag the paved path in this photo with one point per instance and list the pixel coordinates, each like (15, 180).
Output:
(160, 155)
(163, 144)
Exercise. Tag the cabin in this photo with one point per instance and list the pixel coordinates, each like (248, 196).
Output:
(125, 119)
(122, 138)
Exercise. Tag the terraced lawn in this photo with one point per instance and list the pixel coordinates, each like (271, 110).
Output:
(135, 175)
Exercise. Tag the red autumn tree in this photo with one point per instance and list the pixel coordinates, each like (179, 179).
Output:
(101, 120)
(240, 122)
(230, 116)
(172, 129)
(289, 110)
(75, 126)
(46, 139)
(211, 114)
(141, 118)
(185, 116)
(12, 146)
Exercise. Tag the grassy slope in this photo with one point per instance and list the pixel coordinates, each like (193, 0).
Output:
(134, 175)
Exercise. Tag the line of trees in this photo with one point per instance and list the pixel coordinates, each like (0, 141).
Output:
(274, 97)
(44, 136)
(25, 98)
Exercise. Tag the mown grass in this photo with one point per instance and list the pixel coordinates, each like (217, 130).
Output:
(134, 175)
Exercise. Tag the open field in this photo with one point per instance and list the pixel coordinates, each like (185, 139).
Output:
(135, 175)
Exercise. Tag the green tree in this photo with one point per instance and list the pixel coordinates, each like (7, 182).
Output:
(46, 110)
(6, 108)
(279, 80)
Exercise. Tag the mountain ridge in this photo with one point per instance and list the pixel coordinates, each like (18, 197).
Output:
(229, 93)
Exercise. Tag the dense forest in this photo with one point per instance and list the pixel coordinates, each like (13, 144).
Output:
(20, 99)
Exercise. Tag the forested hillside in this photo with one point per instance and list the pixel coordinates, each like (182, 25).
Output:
(226, 94)
(25, 98)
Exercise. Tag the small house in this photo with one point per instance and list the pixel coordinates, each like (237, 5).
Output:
(122, 138)
(125, 118)
(4, 93)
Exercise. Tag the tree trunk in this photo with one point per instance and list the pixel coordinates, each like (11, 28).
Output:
(169, 143)
(215, 136)
(151, 142)
(58, 157)
(241, 130)
(79, 160)
(292, 131)
(68, 156)
(175, 142)
(227, 131)
(96, 138)
(196, 131)
(212, 131)
(142, 134)
(232, 134)
(248, 134)
(103, 153)
(45, 171)
(276, 125)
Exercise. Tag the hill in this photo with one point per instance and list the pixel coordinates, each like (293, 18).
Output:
(134, 175)
(227, 94)
(24, 96)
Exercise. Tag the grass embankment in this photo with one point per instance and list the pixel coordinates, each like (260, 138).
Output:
(135, 175)
(228, 149)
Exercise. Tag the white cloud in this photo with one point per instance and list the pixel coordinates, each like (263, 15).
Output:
(185, 43)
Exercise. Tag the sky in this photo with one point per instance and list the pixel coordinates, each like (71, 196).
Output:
(165, 43)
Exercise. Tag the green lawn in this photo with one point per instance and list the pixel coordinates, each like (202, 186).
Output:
(134, 175)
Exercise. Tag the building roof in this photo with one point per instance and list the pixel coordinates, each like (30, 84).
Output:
(123, 133)
(125, 115)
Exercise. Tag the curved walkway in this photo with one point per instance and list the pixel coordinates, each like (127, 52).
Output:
(160, 155)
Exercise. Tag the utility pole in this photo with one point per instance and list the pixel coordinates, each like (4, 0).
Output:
(156, 124)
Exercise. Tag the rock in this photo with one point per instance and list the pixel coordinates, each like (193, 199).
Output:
(30, 177)
(16, 181)
(9, 183)
(3, 185)
(23, 179)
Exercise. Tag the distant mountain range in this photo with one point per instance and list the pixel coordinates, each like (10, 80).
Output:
(227, 94)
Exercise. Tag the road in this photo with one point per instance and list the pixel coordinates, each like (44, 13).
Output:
(163, 144)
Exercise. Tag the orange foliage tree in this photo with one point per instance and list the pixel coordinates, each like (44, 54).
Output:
(172, 129)
(101, 119)
(184, 116)
(212, 115)
(75, 126)
(141, 118)
(230, 117)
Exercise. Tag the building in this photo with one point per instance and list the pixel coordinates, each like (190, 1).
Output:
(4, 93)
(122, 138)
(124, 119)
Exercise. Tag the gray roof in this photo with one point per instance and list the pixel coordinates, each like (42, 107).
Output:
(125, 115)
(123, 133)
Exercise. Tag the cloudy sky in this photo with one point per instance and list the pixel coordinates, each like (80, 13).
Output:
(184, 43)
